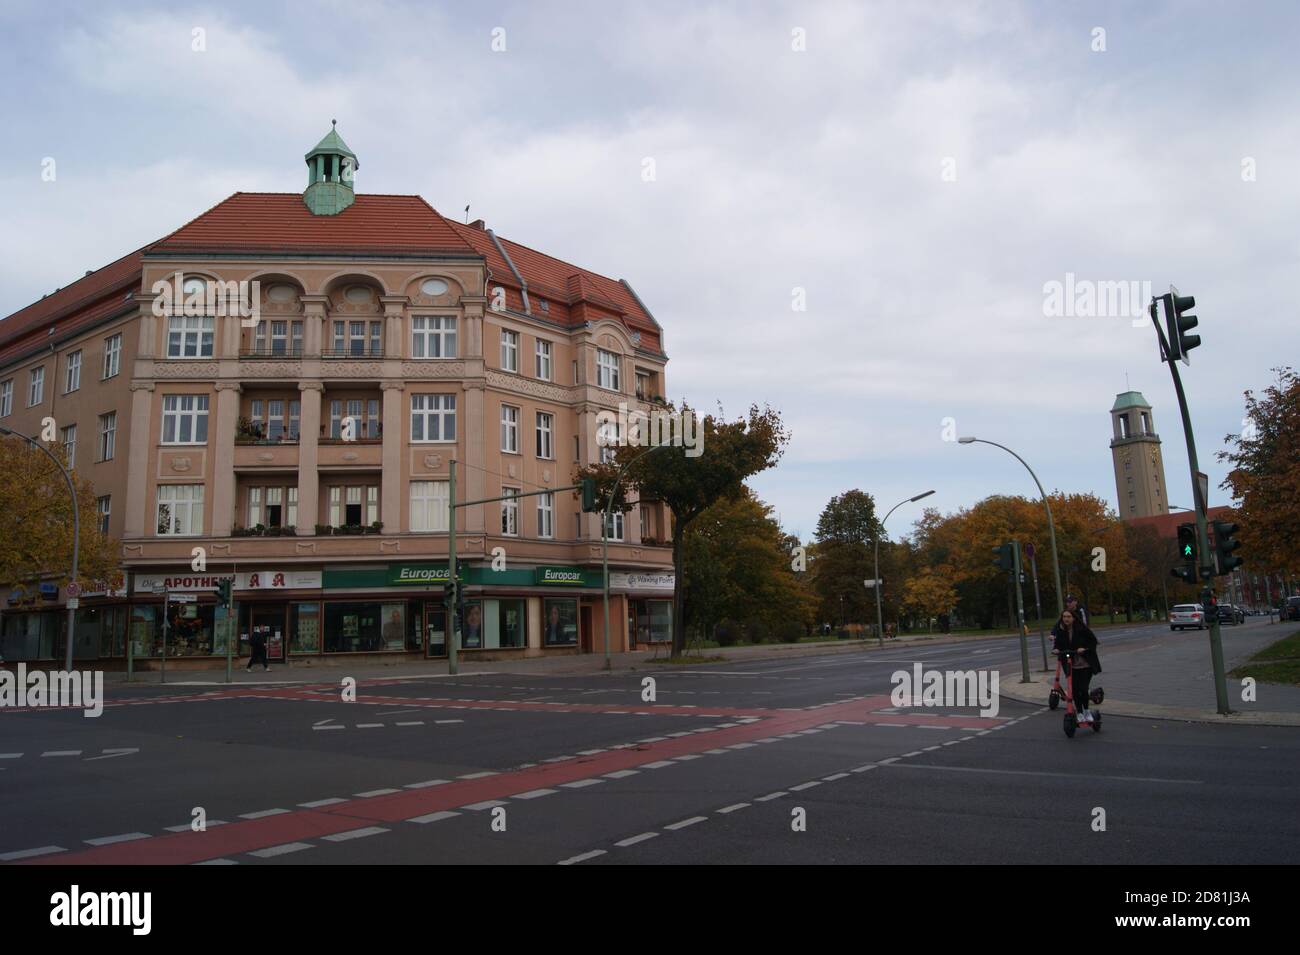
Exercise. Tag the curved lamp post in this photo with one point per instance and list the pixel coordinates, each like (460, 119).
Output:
(76, 529)
(604, 537)
(880, 621)
(1051, 525)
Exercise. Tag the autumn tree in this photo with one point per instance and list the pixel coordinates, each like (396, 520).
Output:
(1265, 475)
(731, 452)
(36, 521)
(930, 593)
(842, 557)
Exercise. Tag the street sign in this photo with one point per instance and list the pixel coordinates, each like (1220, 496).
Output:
(183, 598)
(1029, 551)
(158, 588)
(74, 589)
(1203, 488)
(73, 603)
(872, 583)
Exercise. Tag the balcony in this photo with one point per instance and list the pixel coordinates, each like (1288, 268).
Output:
(253, 449)
(279, 351)
(363, 453)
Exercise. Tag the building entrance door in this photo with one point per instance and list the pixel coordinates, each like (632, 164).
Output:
(435, 631)
(270, 621)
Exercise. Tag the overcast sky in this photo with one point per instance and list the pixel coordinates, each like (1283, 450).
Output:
(920, 170)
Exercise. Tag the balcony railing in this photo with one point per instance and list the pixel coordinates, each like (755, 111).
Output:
(282, 350)
(355, 351)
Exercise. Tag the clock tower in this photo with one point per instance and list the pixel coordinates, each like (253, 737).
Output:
(1135, 451)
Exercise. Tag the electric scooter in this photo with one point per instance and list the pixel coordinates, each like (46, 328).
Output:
(1073, 719)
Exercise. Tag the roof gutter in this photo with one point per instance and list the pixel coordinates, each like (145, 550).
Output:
(523, 284)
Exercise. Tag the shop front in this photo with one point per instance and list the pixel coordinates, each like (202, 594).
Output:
(649, 600)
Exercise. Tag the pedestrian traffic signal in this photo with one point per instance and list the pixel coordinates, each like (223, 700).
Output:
(588, 486)
(1224, 546)
(1178, 322)
(450, 595)
(223, 592)
(1186, 553)
(1006, 556)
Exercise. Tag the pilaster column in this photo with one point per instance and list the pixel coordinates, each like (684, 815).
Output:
(472, 429)
(309, 455)
(141, 440)
(390, 487)
(394, 340)
(314, 332)
(472, 338)
(223, 457)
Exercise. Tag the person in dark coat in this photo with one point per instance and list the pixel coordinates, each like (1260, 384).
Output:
(1072, 636)
(257, 641)
(1080, 612)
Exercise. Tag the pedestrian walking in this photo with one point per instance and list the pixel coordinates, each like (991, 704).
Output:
(257, 641)
(1077, 609)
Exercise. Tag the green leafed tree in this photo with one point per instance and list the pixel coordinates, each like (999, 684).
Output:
(689, 484)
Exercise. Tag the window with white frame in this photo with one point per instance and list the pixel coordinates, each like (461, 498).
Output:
(112, 355)
(509, 429)
(273, 506)
(103, 511)
(510, 511)
(189, 336)
(36, 386)
(276, 419)
(278, 337)
(363, 412)
(546, 515)
(429, 501)
(543, 360)
(185, 419)
(107, 436)
(433, 418)
(180, 509)
(353, 504)
(433, 336)
(6, 398)
(614, 526)
(607, 439)
(607, 370)
(68, 437)
(509, 350)
(642, 385)
(545, 435)
(358, 338)
(72, 372)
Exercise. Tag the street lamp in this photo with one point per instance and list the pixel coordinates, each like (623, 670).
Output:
(76, 532)
(1051, 526)
(880, 620)
(604, 539)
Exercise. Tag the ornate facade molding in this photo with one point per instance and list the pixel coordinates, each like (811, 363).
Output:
(433, 368)
(530, 387)
(185, 369)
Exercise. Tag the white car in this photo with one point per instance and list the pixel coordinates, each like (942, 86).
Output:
(1187, 615)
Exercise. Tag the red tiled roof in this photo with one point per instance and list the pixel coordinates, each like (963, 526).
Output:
(281, 222)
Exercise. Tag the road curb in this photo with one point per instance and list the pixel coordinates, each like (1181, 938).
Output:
(1035, 693)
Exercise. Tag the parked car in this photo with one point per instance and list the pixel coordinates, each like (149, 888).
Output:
(1231, 615)
(1291, 609)
(1184, 616)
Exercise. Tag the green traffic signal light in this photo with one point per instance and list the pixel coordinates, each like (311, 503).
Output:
(1187, 551)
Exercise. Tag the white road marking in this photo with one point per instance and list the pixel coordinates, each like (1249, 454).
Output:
(114, 753)
(30, 853)
(262, 814)
(354, 834)
(316, 804)
(535, 793)
(433, 817)
(285, 849)
(426, 784)
(376, 792)
(621, 773)
(485, 804)
(657, 764)
(62, 752)
(624, 843)
(110, 840)
(771, 796)
(482, 775)
(802, 786)
(726, 809)
(574, 860)
(686, 822)
(581, 783)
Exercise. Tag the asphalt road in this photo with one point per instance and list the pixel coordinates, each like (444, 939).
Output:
(795, 760)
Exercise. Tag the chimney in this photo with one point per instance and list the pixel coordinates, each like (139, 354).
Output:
(478, 224)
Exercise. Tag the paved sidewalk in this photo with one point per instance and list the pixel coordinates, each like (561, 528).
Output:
(328, 670)
(1172, 678)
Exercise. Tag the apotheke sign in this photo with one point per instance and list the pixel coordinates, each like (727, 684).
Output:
(182, 583)
(207, 583)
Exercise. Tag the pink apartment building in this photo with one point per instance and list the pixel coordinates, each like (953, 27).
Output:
(307, 447)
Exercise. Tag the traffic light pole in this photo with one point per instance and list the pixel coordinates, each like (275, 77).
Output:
(1020, 614)
(1038, 604)
(1202, 532)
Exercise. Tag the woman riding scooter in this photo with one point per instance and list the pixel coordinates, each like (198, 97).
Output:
(1074, 638)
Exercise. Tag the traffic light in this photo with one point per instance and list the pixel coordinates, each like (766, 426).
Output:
(223, 592)
(588, 486)
(1224, 546)
(1186, 553)
(1178, 322)
(450, 594)
(1006, 556)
